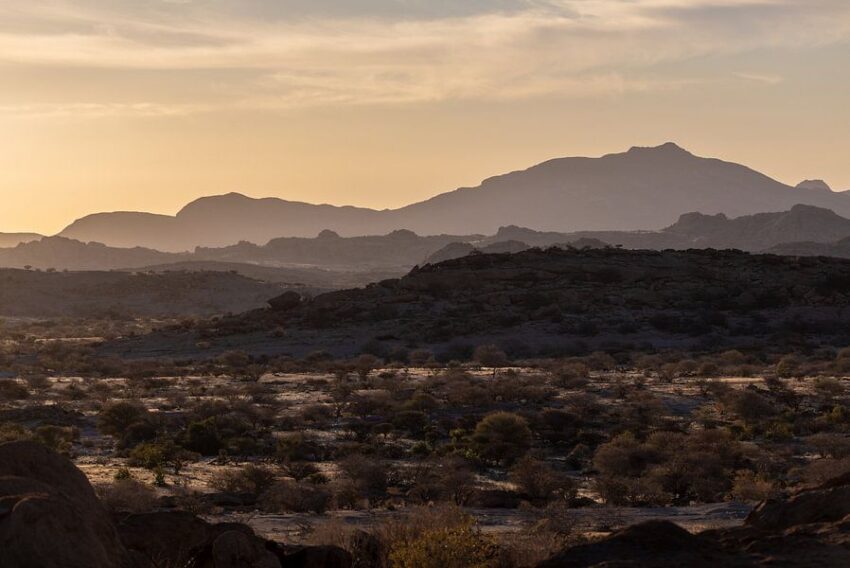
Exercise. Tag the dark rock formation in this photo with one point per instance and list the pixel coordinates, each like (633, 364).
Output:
(50, 517)
(810, 528)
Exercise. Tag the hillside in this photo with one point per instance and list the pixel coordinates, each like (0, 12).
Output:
(643, 188)
(28, 293)
(61, 253)
(550, 302)
(307, 278)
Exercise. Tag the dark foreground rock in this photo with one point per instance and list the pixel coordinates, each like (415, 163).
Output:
(50, 517)
(810, 528)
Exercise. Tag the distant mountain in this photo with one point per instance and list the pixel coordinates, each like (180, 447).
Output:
(14, 239)
(762, 231)
(644, 188)
(332, 261)
(61, 253)
(330, 250)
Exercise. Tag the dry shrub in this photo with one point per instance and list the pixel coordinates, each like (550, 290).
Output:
(251, 479)
(447, 547)
(399, 532)
(297, 497)
(821, 471)
(127, 496)
(750, 488)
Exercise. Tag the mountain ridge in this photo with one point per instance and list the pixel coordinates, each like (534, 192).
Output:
(642, 188)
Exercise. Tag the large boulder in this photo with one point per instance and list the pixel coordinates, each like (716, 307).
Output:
(178, 538)
(50, 517)
(653, 544)
(49, 514)
(827, 503)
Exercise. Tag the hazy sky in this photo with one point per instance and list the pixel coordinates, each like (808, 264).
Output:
(147, 104)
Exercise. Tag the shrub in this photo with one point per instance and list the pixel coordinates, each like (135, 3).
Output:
(454, 547)
(127, 496)
(296, 497)
(502, 437)
(251, 479)
(490, 356)
(538, 480)
(115, 418)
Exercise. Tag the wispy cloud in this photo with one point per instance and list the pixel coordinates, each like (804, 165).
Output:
(765, 78)
(384, 51)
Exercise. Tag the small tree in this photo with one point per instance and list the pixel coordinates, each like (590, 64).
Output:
(502, 437)
(490, 356)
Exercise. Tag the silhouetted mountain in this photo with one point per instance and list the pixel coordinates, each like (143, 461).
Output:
(398, 248)
(761, 231)
(61, 253)
(14, 239)
(643, 188)
(814, 185)
(332, 261)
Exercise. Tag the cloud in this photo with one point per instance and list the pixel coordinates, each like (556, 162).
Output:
(330, 52)
(765, 78)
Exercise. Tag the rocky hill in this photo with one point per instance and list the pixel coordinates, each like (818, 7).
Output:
(14, 239)
(550, 302)
(26, 293)
(643, 188)
(61, 253)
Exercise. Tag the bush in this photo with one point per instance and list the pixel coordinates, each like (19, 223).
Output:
(251, 479)
(115, 418)
(539, 481)
(502, 437)
(454, 547)
(297, 497)
(127, 496)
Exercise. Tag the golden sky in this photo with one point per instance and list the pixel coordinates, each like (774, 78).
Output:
(148, 104)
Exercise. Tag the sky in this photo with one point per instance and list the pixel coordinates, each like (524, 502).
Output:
(147, 104)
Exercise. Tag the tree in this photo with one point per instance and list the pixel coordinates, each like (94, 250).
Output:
(502, 437)
(490, 356)
(117, 417)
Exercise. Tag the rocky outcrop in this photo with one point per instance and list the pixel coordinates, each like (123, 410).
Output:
(653, 544)
(810, 528)
(50, 517)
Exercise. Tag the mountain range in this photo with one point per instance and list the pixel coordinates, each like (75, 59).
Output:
(643, 188)
(332, 261)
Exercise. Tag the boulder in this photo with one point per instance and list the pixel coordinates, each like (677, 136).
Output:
(286, 301)
(653, 544)
(50, 515)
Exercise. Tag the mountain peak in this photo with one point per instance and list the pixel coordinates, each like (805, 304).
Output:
(815, 184)
(669, 148)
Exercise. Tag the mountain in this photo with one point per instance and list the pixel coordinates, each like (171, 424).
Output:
(14, 239)
(762, 231)
(643, 188)
(330, 250)
(549, 302)
(332, 261)
(68, 254)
